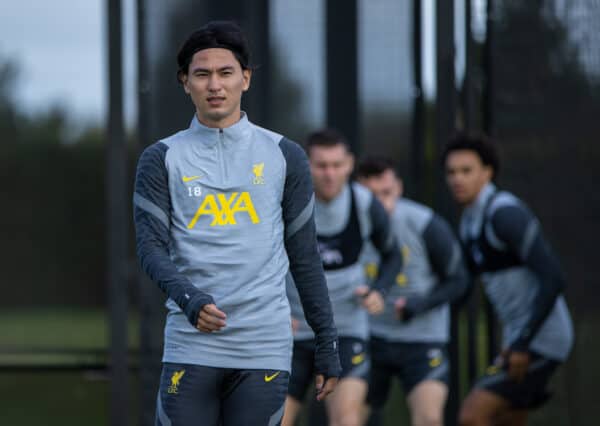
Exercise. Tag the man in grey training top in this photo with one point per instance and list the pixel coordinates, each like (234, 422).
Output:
(223, 210)
(408, 341)
(523, 280)
(348, 217)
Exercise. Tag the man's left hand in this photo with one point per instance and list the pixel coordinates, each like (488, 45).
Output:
(399, 306)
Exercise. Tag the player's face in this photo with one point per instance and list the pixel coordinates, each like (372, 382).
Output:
(330, 167)
(215, 81)
(466, 175)
(386, 187)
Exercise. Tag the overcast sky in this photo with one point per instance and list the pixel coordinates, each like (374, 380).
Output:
(59, 46)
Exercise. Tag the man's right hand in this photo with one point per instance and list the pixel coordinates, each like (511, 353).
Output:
(211, 319)
(372, 300)
(324, 388)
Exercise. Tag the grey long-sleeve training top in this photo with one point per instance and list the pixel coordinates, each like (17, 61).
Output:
(220, 217)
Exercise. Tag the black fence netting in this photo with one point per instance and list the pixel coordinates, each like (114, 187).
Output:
(546, 85)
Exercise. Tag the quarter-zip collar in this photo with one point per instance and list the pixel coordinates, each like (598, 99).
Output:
(237, 133)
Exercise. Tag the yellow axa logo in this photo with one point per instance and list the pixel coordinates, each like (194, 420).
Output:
(357, 359)
(271, 377)
(223, 208)
(258, 170)
(175, 379)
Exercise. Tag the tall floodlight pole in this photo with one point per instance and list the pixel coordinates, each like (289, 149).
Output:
(116, 223)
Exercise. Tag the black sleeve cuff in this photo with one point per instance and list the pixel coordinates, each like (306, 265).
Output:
(327, 358)
(414, 306)
(520, 345)
(194, 306)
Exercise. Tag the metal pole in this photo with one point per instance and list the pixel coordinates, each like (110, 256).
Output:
(488, 123)
(418, 151)
(472, 306)
(445, 123)
(256, 25)
(468, 91)
(341, 29)
(117, 220)
(151, 314)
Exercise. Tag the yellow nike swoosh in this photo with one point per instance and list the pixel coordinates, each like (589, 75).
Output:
(491, 370)
(435, 362)
(189, 178)
(271, 377)
(357, 359)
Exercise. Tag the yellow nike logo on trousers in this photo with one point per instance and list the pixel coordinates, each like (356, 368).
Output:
(271, 377)
(357, 359)
(435, 362)
(189, 178)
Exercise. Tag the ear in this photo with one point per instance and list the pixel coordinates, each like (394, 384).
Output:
(350, 161)
(183, 78)
(247, 76)
(488, 173)
(400, 187)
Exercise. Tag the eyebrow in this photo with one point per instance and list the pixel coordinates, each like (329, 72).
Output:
(223, 68)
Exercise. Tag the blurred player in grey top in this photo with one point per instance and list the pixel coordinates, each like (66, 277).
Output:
(347, 218)
(523, 280)
(409, 339)
(223, 210)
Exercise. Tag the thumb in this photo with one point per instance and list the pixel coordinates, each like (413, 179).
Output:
(319, 381)
(400, 303)
(213, 310)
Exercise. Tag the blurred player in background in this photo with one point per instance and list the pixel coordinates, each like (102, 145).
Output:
(523, 280)
(347, 216)
(223, 210)
(409, 340)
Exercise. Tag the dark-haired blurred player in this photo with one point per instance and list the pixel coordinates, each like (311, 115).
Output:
(408, 341)
(223, 210)
(523, 281)
(348, 217)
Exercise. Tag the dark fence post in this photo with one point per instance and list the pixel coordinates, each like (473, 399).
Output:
(472, 306)
(117, 220)
(418, 147)
(341, 27)
(150, 299)
(445, 125)
(488, 126)
(256, 24)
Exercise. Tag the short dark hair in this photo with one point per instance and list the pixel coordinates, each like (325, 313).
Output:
(479, 144)
(215, 34)
(373, 166)
(327, 137)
